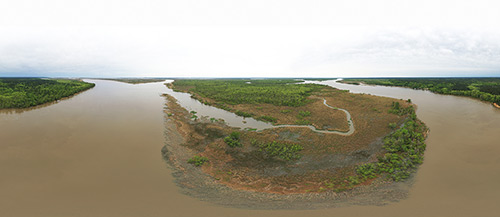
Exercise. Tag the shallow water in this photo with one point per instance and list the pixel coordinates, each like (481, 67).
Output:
(185, 100)
(98, 154)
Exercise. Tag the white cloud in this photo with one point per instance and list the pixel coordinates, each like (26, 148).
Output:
(271, 38)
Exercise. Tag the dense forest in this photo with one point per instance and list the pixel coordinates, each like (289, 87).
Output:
(278, 92)
(486, 89)
(27, 92)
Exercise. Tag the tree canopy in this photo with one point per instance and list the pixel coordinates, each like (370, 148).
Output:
(27, 92)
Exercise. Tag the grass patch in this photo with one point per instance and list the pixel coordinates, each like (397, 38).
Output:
(286, 111)
(302, 122)
(303, 114)
(283, 151)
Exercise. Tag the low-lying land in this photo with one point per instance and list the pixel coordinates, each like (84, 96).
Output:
(136, 80)
(386, 146)
(27, 92)
(486, 89)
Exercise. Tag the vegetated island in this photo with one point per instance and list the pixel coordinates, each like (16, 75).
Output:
(28, 92)
(485, 89)
(291, 163)
(135, 80)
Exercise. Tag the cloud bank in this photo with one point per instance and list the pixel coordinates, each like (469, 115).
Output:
(259, 38)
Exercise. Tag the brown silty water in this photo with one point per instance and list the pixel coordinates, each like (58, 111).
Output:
(99, 154)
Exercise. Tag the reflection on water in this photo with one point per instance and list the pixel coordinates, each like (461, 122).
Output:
(98, 154)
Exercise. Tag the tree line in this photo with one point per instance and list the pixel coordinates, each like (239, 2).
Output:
(486, 89)
(27, 92)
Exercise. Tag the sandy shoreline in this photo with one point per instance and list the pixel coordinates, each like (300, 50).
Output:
(194, 182)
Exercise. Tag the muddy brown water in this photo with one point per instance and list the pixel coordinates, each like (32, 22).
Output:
(99, 154)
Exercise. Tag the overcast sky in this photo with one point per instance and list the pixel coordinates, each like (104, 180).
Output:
(256, 38)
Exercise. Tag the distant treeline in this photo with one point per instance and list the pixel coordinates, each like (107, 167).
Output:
(135, 80)
(27, 92)
(486, 89)
(280, 92)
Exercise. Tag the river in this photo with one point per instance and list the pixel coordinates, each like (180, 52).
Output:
(99, 154)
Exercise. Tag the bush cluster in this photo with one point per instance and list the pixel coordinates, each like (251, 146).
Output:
(233, 140)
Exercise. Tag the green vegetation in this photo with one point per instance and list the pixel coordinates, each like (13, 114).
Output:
(397, 109)
(486, 89)
(243, 114)
(286, 111)
(283, 151)
(405, 149)
(267, 118)
(392, 126)
(241, 91)
(198, 160)
(233, 140)
(27, 92)
(367, 171)
(303, 114)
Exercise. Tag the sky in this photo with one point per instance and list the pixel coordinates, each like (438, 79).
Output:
(257, 38)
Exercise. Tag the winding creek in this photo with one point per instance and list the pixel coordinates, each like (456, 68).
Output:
(348, 117)
(185, 100)
(98, 154)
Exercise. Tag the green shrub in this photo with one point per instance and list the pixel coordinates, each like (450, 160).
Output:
(243, 114)
(285, 111)
(268, 118)
(392, 125)
(233, 140)
(367, 170)
(198, 160)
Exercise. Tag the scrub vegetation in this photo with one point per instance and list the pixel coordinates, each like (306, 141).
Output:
(486, 89)
(283, 151)
(27, 92)
(239, 91)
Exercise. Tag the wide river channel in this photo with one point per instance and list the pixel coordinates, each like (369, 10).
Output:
(99, 154)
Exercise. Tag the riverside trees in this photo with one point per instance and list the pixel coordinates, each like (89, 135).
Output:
(27, 92)
(486, 89)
